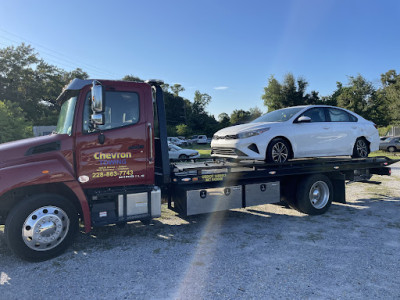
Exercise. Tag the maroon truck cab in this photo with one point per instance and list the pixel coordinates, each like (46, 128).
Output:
(99, 170)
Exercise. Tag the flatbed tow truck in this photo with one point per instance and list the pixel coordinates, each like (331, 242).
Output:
(108, 163)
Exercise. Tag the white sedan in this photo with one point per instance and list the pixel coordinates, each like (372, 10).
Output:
(176, 152)
(299, 131)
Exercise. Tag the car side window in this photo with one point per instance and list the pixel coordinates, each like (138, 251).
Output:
(121, 109)
(338, 115)
(316, 114)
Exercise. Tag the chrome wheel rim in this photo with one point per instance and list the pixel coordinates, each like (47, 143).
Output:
(45, 228)
(319, 194)
(362, 148)
(391, 149)
(280, 152)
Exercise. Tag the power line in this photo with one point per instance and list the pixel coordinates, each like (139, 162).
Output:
(58, 56)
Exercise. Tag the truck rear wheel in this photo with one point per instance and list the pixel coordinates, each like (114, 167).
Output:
(314, 194)
(41, 226)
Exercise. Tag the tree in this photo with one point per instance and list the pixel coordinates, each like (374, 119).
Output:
(176, 89)
(198, 119)
(391, 92)
(13, 123)
(32, 84)
(175, 109)
(132, 78)
(255, 112)
(240, 116)
(273, 96)
(361, 97)
(182, 130)
(291, 92)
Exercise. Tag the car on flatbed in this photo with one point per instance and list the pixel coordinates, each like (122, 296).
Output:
(298, 132)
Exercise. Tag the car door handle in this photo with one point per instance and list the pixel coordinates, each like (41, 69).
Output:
(354, 127)
(326, 127)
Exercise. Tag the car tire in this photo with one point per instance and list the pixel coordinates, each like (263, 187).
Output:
(183, 156)
(360, 149)
(314, 194)
(391, 149)
(278, 151)
(41, 227)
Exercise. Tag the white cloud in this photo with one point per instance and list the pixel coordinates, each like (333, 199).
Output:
(221, 88)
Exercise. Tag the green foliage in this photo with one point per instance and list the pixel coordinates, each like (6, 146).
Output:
(176, 89)
(361, 97)
(255, 112)
(132, 78)
(175, 109)
(391, 91)
(13, 123)
(384, 130)
(240, 116)
(183, 130)
(291, 92)
(198, 119)
(32, 84)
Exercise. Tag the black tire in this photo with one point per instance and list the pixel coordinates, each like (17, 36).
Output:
(314, 194)
(278, 151)
(41, 227)
(391, 149)
(360, 149)
(183, 156)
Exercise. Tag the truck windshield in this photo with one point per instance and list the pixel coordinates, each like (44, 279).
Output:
(64, 124)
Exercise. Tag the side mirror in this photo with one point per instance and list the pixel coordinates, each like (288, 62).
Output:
(97, 98)
(304, 119)
(97, 119)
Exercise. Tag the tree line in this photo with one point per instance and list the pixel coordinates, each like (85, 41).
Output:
(29, 87)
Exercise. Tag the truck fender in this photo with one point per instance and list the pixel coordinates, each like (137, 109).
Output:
(42, 173)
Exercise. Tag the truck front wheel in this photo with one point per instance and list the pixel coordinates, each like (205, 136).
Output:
(41, 226)
(314, 194)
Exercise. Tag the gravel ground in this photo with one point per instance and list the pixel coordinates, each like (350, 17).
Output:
(269, 251)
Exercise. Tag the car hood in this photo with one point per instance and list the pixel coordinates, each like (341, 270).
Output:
(244, 128)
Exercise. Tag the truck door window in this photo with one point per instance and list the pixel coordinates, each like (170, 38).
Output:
(121, 109)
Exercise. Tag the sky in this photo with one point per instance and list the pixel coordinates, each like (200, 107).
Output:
(227, 49)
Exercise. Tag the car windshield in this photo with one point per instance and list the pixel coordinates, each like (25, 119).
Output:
(280, 115)
(175, 147)
(66, 117)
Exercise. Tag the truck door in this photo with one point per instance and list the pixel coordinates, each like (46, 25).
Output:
(118, 152)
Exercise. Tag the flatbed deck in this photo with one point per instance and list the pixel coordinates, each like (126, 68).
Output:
(206, 170)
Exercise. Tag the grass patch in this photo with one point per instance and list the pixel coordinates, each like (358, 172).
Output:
(203, 149)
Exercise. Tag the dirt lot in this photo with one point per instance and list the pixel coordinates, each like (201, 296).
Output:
(352, 251)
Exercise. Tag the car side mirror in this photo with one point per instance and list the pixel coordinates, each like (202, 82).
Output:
(304, 119)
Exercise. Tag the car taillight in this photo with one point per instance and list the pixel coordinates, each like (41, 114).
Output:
(376, 126)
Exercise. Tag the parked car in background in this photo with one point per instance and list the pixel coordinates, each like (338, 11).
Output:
(199, 139)
(177, 141)
(390, 144)
(300, 131)
(176, 152)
